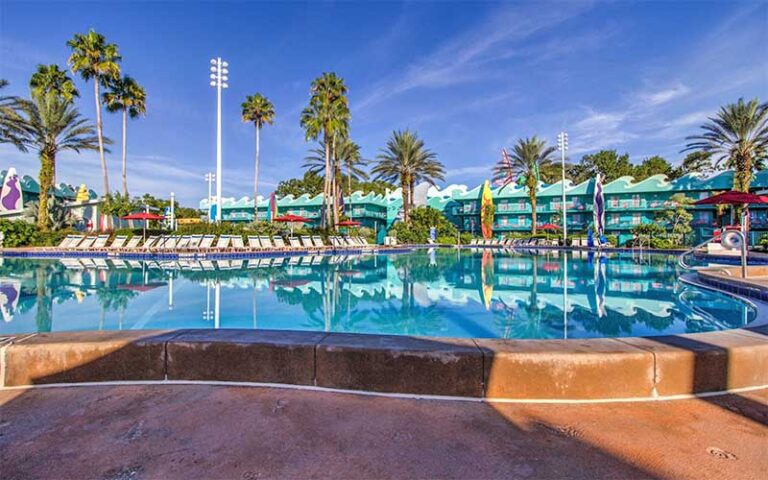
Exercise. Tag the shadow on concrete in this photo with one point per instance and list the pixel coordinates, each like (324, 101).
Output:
(711, 372)
(189, 431)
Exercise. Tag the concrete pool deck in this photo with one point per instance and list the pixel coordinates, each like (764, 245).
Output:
(200, 431)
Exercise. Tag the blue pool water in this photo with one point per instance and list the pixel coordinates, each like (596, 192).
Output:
(433, 292)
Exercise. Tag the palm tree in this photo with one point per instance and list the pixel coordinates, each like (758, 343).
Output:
(9, 119)
(346, 157)
(327, 115)
(128, 96)
(406, 160)
(530, 161)
(50, 124)
(738, 138)
(96, 60)
(259, 110)
(50, 78)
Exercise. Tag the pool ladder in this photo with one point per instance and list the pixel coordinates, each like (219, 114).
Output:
(743, 247)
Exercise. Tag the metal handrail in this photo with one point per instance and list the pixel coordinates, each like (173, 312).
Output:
(681, 260)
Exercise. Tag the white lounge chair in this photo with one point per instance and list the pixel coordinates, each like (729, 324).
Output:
(294, 242)
(253, 242)
(237, 242)
(265, 242)
(278, 242)
(206, 242)
(317, 240)
(222, 243)
(86, 243)
(118, 242)
(150, 242)
(306, 241)
(194, 242)
(132, 243)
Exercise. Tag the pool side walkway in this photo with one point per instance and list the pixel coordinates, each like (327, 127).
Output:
(201, 431)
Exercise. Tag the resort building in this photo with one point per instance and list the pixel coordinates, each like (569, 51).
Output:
(17, 191)
(628, 203)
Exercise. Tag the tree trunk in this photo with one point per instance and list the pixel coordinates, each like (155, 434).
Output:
(125, 152)
(326, 185)
(405, 186)
(256, 171)
(533, 213)
(100, 135)
(46, 181)
(335, 186)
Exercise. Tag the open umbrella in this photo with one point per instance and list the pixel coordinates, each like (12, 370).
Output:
(734, 198)
(146, 216)
(547, 227)
(291, 219)
(348, 223)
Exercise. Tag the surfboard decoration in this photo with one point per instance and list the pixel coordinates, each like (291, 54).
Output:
(487, 277)
(486, 211)
(10, 195)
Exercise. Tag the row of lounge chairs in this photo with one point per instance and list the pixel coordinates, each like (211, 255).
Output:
(199, 243)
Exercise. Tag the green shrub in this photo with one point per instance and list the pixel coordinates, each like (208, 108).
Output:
(52, 238)
(418, 226)
(17, 233)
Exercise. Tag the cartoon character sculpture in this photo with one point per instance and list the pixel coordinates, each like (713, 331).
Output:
(82, 194)
(10, 195)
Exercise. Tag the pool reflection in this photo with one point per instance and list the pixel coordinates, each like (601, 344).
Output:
(434, 292)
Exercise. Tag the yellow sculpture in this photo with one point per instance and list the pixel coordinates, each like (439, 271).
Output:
(82, 194)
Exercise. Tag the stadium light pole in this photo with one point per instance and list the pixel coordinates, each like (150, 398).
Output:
(562, 145)
(219, 79)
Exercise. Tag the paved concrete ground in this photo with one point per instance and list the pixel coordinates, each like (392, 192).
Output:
(183, 431)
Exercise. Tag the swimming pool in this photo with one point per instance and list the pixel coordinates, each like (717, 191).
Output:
(427, 292)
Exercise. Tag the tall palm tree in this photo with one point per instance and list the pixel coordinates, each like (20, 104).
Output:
(531, 160)
(9, 119)
(737, 137)
(128, 96)
(50, 78)
(347, 159)
(50, 124)
(327, 115)
(406, 160)
(259, 110)
(96, 60)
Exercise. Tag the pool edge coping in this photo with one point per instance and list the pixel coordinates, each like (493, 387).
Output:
(509, 370)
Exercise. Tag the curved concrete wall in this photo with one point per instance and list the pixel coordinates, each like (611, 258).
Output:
(645, 367)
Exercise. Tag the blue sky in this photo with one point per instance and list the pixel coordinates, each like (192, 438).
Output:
(470, 77)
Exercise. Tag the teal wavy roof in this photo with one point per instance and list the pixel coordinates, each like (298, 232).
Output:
(28, 184)
(627, 184)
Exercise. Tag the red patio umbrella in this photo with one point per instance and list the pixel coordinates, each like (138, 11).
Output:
(291, 219)
(734, 198)
(348, 223)
(549, 226)
(146, 216)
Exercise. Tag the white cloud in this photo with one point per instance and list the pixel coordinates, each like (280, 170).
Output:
(660, 97)
(460, 60)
